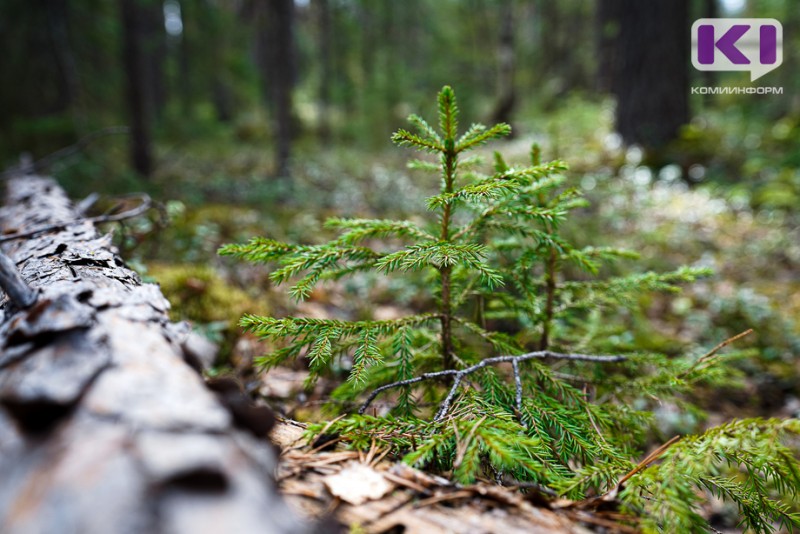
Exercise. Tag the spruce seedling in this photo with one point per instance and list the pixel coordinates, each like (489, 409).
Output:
(473, 392)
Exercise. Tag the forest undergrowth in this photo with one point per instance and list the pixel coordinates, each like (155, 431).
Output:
(505, 285)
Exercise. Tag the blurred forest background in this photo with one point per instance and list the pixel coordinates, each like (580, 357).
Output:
(262, 117)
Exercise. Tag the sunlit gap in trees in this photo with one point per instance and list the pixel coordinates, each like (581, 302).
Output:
(173, 23)
(733, 7)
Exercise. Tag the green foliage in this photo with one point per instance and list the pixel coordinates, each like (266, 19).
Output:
(747, 462)
(199, 294)
(505, 281)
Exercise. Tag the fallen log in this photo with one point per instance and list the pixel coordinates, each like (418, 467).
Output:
(104, 426)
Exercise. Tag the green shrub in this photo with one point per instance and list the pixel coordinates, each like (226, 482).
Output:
(493, 257)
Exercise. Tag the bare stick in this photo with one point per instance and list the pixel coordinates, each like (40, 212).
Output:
(708, 355)
(449, 399)
(649, 459)
(460, 374)
(646, 461)
(21, 294)
(517, 386)
(145, 203)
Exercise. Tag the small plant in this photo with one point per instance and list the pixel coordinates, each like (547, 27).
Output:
(474, 391)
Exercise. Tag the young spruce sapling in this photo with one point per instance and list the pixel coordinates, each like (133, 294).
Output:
(474, 400)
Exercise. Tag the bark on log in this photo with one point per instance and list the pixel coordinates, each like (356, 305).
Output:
(104, 428)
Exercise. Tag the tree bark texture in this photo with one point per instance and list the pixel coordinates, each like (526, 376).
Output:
(104, 426)
(645, 47)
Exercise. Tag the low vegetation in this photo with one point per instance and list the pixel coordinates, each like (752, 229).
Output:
(510, 375)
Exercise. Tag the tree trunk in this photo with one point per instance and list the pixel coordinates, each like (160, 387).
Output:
(789, 103)
(155, 48)
(139, 98)
(608, 16)
(103, 425)
(212, 25)
(185, 56)
(222, 99)
(324, 53)
(647, 65)
(506, 89)
(276, 43)
(58, 17)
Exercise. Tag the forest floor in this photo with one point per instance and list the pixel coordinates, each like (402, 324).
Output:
(216, 194)
(370, 493)
(754, 255)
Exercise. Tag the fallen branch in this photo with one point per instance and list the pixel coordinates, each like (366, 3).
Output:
(459, 374)
(104, 424)
(705, 358)
(145, 203)
(649, 459)
(21, 294)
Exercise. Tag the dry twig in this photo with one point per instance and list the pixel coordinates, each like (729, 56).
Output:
(19, 292)
(459, 374)
(145, 203)
(702, 362)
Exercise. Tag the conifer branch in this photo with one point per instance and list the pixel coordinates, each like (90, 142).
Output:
(424, 128)
(459, 375)
(550, 297)
(479, 136)
(507, 207)
(406, 138)
(448, 114)
(359, 229)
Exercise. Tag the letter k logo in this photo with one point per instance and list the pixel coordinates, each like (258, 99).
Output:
(726, 44)
(753, 45)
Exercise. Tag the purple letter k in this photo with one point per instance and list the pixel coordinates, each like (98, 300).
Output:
(726, 44)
